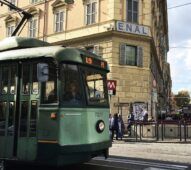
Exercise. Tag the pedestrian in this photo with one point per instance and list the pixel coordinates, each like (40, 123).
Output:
(121, 126)
(145, 116)
(130, 120)
(115, 126)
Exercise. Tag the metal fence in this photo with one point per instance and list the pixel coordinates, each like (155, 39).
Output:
(176, 131)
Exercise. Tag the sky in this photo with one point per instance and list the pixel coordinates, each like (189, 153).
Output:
(179, 55)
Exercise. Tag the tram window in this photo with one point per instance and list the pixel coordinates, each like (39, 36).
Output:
(70, 85)
(35, 84)
(12, 80)
(3, 108)
(95, 83)
(5, 73)
(11, 118)
(49, 88)
(33, 119)
(26, 78)
(23, 119)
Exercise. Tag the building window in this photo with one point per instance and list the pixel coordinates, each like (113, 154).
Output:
(131, 55)
(34, 1)
(132, 11)
(10, 29)
(13, 2)
(59, 21)
(32, 27)
(91, 12)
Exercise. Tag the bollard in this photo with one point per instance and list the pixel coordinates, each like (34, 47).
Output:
(162, 137)
(136, 130)
(156, 131)
(180, 130)
(185, 131)
(140, 130)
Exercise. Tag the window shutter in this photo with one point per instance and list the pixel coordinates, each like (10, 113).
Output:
(122, 55)
(139, 56)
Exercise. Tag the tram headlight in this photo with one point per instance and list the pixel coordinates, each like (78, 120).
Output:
(100, 126)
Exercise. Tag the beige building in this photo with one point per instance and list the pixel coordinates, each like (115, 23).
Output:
(132, 35)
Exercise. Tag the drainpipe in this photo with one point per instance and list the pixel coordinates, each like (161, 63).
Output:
(45, 20)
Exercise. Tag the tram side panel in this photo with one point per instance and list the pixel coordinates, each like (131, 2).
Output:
(47, 135)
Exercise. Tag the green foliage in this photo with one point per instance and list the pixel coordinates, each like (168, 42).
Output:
(182, 98)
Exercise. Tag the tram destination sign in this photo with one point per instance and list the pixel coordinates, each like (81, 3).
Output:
(95, 62)
(132, 28)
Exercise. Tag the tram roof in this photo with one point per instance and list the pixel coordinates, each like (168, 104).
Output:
(15, 42)
(27, 48)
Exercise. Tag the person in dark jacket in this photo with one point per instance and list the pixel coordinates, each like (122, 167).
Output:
(130, 120)
(72, 95)
(115, 126)
(121, 127)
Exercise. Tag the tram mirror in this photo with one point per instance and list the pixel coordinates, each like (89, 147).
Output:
(42, 72)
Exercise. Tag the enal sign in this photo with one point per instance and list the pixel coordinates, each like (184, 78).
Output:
(132, 28)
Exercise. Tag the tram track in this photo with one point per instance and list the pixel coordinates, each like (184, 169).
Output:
(112, 163)
(139, 164)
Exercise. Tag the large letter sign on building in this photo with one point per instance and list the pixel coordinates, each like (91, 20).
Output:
(111, 86)
(132, 28)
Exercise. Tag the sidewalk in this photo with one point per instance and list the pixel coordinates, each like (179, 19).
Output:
(175, 152)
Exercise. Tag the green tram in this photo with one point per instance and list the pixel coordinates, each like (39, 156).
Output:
(53, 103)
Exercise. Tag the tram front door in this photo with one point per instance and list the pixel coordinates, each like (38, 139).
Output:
(18, 110)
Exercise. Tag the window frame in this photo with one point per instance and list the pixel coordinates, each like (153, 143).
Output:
(32, 31)
(132, 20)
(138, 55)
(42, 85)
(35, 1)
(83, 103)
(91, 13)
(127, 56)
(13, 2)
(59, 11)
(88, 104)
(10, 27)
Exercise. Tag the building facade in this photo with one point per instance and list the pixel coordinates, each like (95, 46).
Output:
(132, 35)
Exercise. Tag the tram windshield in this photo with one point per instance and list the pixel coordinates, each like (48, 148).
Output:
(80, 82)
(95, 85)
(70, 85)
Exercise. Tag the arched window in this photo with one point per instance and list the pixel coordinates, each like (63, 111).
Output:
(33, 22)
(10, 22)
(59, 10)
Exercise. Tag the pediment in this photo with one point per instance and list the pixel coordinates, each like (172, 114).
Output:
(11, 18)
(33, 10)
(58, 3)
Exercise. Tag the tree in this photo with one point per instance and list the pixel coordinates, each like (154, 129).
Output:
(173, 105)
(182, 98)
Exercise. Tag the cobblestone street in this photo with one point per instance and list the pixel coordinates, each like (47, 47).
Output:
(175, 152)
